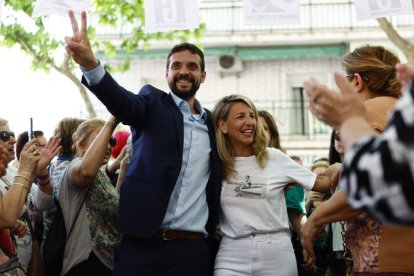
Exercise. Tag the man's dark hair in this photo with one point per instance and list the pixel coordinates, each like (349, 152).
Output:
(190, 47)
(23, 138)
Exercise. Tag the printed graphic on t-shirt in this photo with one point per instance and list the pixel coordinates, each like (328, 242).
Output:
(245, 186)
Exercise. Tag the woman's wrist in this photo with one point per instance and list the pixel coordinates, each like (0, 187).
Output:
(24, 186)
(23, 179)
(43, 180)
(26, 174)
(108, 171)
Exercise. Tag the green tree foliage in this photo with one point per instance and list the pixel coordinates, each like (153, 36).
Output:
(43, 48)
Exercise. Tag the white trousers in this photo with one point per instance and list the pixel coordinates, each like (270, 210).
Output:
(258, 255)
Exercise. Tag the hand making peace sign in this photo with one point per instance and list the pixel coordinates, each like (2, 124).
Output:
(78, 46)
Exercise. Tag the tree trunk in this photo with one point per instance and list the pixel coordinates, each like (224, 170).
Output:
(64, 69)
(403, 44)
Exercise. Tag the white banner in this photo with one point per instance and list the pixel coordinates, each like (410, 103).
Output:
(1, 10)
(371, 9)
(168, 15)
(60, 7)
(271, 12)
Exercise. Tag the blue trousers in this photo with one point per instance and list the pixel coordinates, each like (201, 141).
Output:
(135, 257)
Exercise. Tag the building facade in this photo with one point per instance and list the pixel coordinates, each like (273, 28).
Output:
(267, 64)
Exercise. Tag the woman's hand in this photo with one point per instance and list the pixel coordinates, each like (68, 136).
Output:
(117, 163)
(316, 198)
(405, 75)
(47, 154)
(331, 107)
(20, 228)
(29, 157)
(308, 233)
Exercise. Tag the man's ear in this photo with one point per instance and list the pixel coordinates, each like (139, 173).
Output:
(203, 76)
(222, 126)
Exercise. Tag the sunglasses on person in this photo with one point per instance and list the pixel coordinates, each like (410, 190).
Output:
(337, 136)
(112, 142)
(5, 135)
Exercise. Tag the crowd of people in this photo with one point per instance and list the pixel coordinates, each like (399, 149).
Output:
(194, 192)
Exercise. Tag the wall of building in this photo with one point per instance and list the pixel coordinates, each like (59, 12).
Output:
(268, 83)
(271, 81)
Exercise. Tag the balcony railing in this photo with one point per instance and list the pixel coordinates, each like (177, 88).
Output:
(226, 17)
(293, 119)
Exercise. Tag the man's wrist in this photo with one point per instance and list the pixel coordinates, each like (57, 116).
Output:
(92, 65)
(95, 75)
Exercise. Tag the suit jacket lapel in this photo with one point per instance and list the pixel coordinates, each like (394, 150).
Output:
(178, 120)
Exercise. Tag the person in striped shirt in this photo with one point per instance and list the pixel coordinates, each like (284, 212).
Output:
(378, 172)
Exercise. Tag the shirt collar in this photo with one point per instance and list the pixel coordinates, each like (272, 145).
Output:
(180, 102)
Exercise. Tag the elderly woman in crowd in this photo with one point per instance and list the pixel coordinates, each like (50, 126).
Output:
(375, 248)
(24, 242)
(13, 199)
(83, 185)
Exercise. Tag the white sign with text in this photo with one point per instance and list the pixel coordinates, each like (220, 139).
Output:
(271, 12)
(371, 9)
(1, 10)
(169, 15)
(59, 7)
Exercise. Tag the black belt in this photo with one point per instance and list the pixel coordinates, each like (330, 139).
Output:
(169, 234)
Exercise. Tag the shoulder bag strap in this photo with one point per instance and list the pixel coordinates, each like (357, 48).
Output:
(77, 214)
(26, 217)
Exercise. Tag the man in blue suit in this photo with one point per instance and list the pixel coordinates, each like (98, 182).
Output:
(169, 202)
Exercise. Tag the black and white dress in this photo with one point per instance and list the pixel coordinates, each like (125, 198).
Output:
(378, 173)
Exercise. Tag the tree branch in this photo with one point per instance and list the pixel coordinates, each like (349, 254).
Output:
(25, 45)
(63, 69)
(403, 44)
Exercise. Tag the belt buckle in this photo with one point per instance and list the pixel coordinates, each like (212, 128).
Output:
(163, 235)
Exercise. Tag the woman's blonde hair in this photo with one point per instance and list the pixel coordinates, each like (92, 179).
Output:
(224, 147)
(83, 132)
(3, 122)
(376, 65)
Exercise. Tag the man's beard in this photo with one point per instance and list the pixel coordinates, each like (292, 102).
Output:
(185, 95)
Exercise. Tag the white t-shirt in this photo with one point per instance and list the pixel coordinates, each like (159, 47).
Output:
(253, 201)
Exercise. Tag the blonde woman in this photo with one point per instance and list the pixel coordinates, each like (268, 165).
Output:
(85, 186)
(376, 248)
(254, 217)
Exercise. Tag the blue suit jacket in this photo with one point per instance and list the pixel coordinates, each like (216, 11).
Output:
(157, 157)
